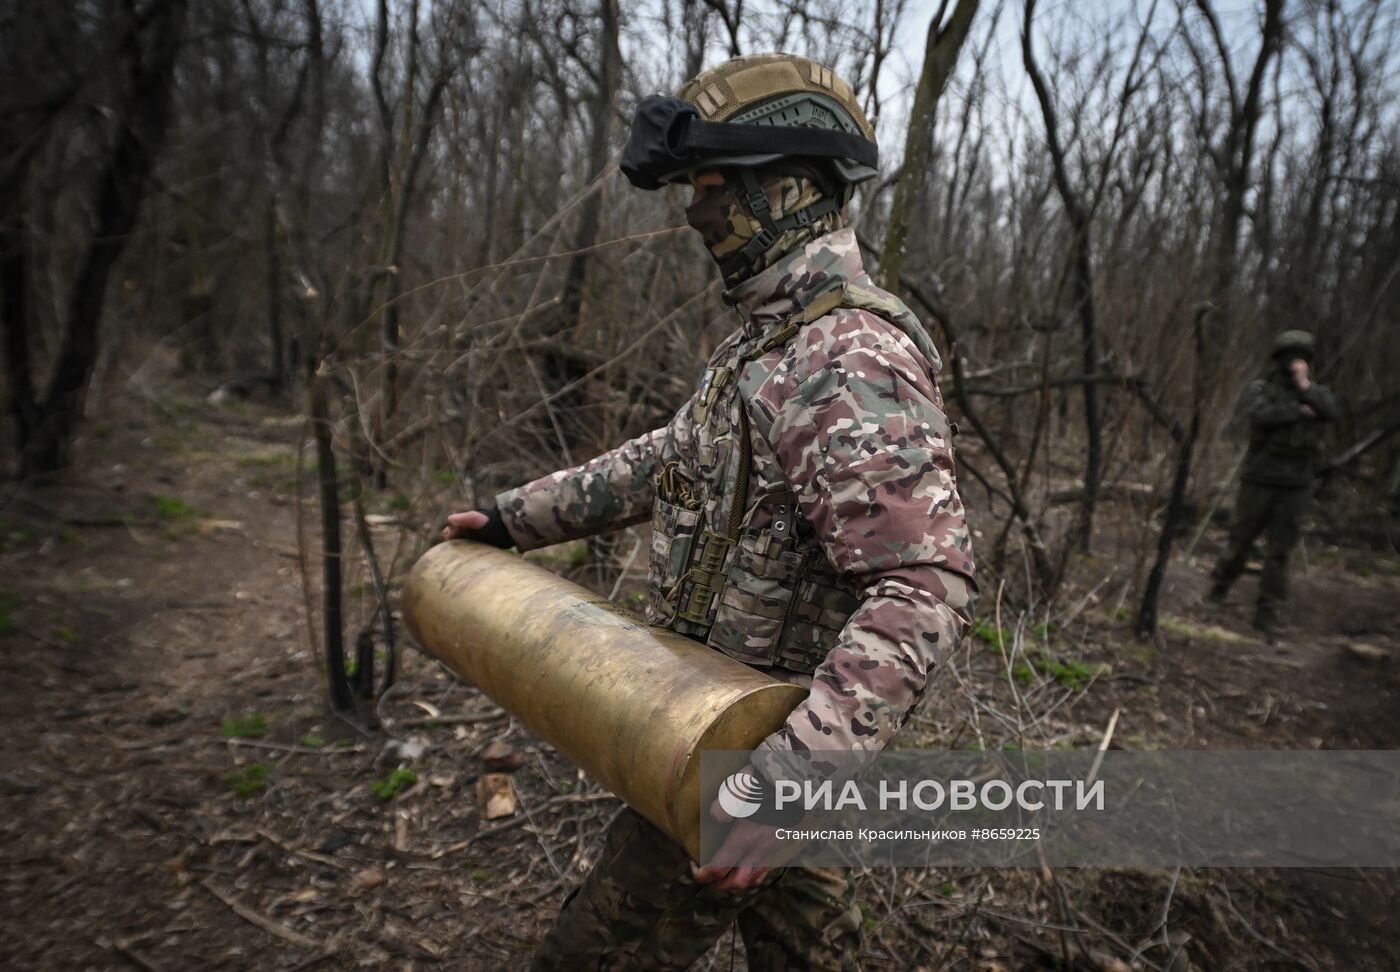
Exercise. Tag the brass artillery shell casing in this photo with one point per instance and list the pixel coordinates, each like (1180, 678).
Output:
(632, 705)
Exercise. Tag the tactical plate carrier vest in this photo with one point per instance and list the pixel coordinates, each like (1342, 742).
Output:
(746, 573)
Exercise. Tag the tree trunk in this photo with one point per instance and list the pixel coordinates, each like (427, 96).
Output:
(143, 116)
(1078, 217)
(14, 309)
(940, 58)
(277, 369)
(338, 684)
(600, 113)
(1238, 151)
(1172, 523)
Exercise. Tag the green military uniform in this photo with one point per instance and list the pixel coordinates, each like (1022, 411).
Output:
(1276, 484)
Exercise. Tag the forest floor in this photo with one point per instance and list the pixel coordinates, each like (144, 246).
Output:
(173, 794)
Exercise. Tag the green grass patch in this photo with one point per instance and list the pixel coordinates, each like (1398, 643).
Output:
(245, 727)
(173, 508)
(994, 637)
(394, 784)
(313, 741)
(1072, 674)
(250, 780)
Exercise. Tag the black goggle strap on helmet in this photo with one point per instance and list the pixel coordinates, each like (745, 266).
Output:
(722, 138)
(756, 200)
(668, 136)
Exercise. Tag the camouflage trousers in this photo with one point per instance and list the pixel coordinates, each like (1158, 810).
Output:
(1278, 512)
(640, 909)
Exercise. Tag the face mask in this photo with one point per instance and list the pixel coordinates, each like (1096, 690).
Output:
(725, 223)
(721, 220)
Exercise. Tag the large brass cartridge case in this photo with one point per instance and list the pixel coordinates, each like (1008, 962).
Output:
(632, 705)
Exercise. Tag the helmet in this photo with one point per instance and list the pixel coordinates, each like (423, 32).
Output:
(749, 112)
(1299, 344)
(783, 91)
(789, 138)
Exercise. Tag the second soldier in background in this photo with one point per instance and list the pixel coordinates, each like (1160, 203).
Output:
(1288, 412)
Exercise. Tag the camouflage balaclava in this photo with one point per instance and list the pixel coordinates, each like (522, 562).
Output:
(726, 222)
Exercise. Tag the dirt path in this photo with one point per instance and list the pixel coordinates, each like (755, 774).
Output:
(154, 608)
(152, 641)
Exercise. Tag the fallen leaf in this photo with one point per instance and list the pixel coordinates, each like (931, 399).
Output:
(370, 877)
(495, 796)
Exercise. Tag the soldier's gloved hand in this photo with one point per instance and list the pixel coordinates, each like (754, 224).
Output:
(483, 526)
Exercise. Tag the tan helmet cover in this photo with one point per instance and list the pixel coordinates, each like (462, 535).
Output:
(782, 90)
(726, 90)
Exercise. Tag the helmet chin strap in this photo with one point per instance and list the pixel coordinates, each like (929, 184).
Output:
(750, 192)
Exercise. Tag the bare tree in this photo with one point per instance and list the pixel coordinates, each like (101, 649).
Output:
(732, 18)
(147, 52)
(401, 158)
(605, 80)
(1232, 152)
(945, 40)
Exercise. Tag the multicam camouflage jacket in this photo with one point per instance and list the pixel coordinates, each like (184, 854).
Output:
(1284, 440)
(805, 513)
